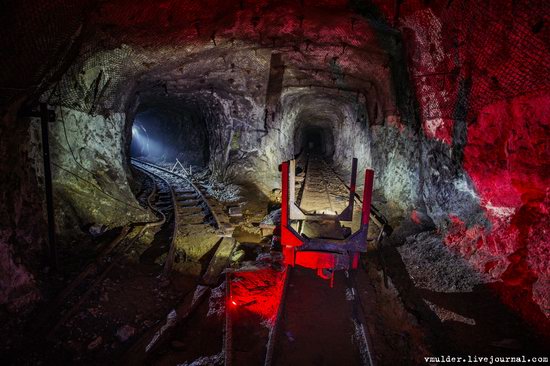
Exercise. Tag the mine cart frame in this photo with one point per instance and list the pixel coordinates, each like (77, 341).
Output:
(324, 255)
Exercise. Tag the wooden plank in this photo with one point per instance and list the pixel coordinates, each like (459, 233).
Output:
(154, 337)
(190, 210)
(60, 299)
(219, 261)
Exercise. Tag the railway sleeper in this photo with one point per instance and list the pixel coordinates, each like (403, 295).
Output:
(187, 203)
(189, 210)
(184, 191)
(193, 219)
(187, 196)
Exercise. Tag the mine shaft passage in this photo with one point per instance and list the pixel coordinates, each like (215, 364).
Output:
(314, 140)
(274, 182)
(168, 131)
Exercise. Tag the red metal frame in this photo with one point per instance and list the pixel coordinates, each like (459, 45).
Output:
(318, 253)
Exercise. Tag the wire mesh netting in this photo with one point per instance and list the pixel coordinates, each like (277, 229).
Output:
(501, 46)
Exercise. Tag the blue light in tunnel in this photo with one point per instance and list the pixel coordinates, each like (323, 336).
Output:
(144, 146)
(140, 141)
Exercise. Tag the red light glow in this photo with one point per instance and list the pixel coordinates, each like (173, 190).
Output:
(258, 291)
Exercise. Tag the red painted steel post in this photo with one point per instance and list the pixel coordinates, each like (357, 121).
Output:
(288, 241)
(367, 196)
(288, 236)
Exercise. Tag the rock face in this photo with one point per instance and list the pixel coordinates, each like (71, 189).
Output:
(435, 267)
(396, 161)
(22, 225)
(483, 101)
(18, 287)
(89, 177)
(509, 163)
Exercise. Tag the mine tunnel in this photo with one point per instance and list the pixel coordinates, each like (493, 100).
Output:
(314, 140)
(330, 182)
(166, 130)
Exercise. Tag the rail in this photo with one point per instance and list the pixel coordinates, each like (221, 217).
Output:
(213, 211)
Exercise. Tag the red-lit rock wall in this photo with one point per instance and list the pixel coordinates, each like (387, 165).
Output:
(486, 63)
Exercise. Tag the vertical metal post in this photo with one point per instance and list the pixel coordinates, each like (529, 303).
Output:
(367, 196)
(285, 194)
(44, 120)
(352, 183)
(292, 182)
(289, 237)
(293, 211)
(228, 346)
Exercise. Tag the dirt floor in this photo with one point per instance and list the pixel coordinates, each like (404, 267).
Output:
(429, 304)
(316, 328)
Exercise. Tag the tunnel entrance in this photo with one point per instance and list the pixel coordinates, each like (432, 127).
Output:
(314, 140)
(170, 130)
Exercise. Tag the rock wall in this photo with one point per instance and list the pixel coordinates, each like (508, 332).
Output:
(508, 160)
(474, 161)
(396, 162)
(89, 175)
(480, 75)
(22, 222)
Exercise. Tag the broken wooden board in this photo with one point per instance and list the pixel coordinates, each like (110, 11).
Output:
(219, 262)
(154, 337)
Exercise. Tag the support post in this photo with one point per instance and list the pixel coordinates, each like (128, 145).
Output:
(44, 120)
(347, 213)
(285, 194)
(289, 237)
(292, 182)
(367, 197)
(294, 212)
(352, 183)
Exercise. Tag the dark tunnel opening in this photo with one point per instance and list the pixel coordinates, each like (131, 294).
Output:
(314, 140)
(166, 131)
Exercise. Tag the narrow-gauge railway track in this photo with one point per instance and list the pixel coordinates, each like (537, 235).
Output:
(322, 192)
(318, 323)
(177, 200)
(193, 207)
(69, 301)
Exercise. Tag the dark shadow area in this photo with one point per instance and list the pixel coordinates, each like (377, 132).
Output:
(314, 139)
(313, 142)
(461, 323)
(495, 329)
